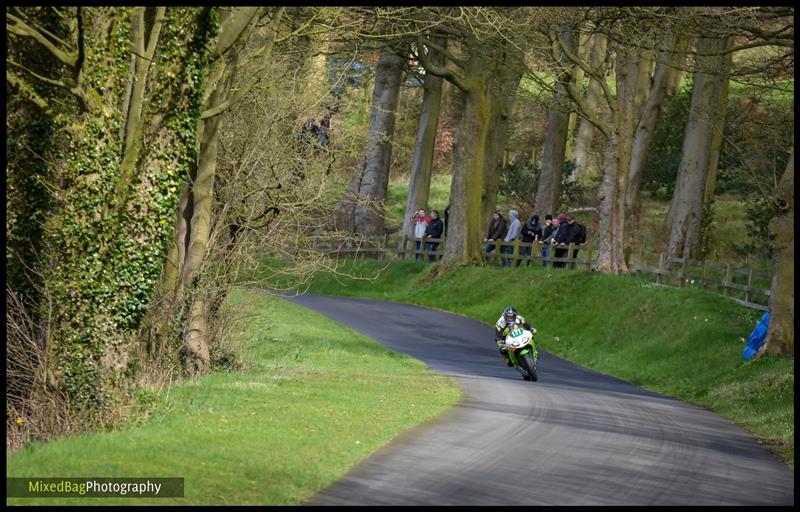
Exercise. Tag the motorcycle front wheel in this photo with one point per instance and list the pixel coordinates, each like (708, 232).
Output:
(530, 367)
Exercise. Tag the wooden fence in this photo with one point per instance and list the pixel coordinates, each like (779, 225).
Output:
(745, 285)
(403, 248)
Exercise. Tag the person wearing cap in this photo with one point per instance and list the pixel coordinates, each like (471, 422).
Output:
(497, 230)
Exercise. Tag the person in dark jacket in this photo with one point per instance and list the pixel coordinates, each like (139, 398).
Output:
(497, 230)
(576, 235)
(560, 237)
(547, 231)
(531, 232)
(434, 230)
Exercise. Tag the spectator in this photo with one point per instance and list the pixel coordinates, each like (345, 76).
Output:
(323, 133)
(560, 237)
(531, 232)
(434, 230)
(497, 230)
(513, 232)
(311, 130)
(420, 221)
(546, 232)
(577, 235)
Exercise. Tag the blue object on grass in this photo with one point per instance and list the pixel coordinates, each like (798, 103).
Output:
(757, 338)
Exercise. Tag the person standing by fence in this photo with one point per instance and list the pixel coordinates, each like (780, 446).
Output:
(576, 235)
(513, 232)
(560, 236)
(420, 221)
(547, 233)
(531, 232)
(434, 230)
(497, 230)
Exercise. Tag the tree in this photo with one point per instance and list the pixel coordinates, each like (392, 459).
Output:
(584, 167)
(504, 85)
(123, 92)
(700, 152)
(780, 334)
(422, 164)
(190, 251)
(548, 191)
(670, 53)
(481, 39)
(368, 185)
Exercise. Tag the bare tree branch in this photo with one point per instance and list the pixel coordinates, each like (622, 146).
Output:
(21, 28)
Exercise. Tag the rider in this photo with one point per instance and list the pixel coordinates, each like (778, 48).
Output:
(504, 326)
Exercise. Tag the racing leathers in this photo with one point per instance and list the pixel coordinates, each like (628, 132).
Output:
(502, 328)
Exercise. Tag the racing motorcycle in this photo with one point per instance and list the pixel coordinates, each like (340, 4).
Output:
(522, 353)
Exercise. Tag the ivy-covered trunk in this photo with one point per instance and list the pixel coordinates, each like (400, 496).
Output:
(127, 141)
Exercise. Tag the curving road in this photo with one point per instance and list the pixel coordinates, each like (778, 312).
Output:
(576, 437)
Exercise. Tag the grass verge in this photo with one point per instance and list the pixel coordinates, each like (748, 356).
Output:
(311, 403)
(685, 343)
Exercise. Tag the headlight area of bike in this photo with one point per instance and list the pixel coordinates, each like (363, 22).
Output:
(518, 341)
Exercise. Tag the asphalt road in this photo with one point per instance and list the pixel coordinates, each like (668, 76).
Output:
(575, 437)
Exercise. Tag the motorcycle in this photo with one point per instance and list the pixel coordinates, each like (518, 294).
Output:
(522, 353)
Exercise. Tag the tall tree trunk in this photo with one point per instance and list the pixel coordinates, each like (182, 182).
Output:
(464, 237)
(584, 166)
(548, 190)
(780, 334)
(502, 92)
(422, 163)
(374, 180)
(196, 354)
(685, 215)
(582, 51)
(659, 90)
(611, 252)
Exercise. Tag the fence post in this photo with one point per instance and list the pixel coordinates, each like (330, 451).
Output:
(660, 267)
(726, 282)
(570, 262)
(515, 254)
(747, 295)
(640, 257)
(684, 264)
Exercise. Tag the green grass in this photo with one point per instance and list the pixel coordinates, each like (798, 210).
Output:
(685, 343)
(311, 403)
